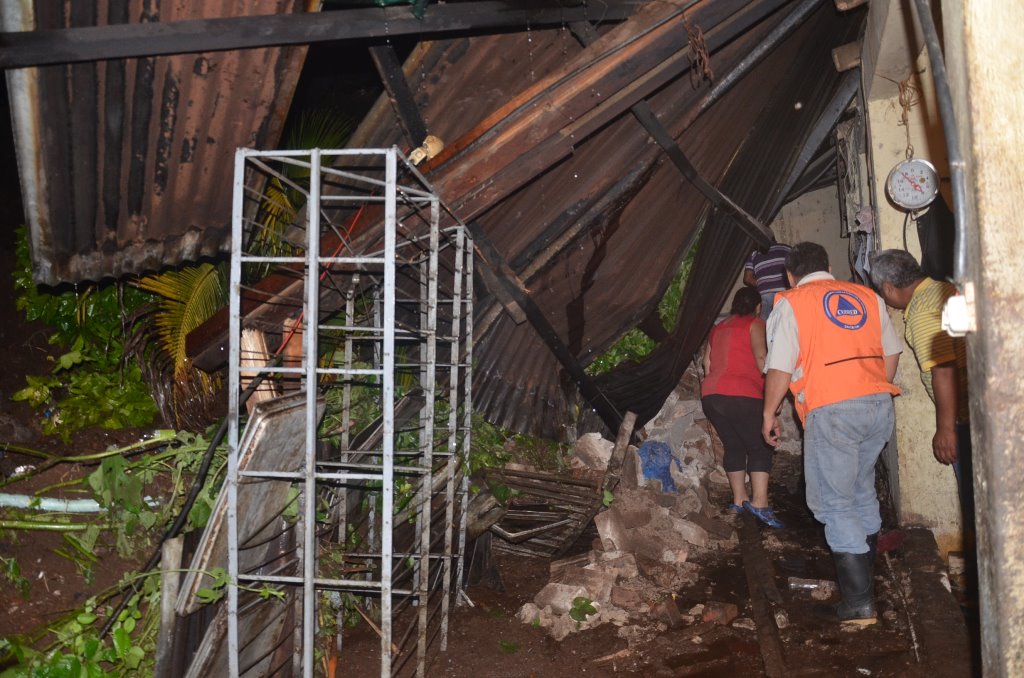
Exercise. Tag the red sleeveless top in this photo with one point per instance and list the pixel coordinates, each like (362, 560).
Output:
(733, 368)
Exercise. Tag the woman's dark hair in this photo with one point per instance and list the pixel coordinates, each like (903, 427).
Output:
(745, 301)
(806, 258)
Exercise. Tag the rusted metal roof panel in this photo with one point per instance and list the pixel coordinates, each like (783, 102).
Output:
(571, 192)
(756, 179)
(126, 164)
(596, 238)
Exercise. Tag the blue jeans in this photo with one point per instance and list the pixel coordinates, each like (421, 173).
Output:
(842, 442)
(767, 303)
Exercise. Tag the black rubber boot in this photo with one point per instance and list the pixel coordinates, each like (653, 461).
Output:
(855, 574)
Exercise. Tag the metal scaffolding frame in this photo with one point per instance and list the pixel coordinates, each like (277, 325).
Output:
(385, 366)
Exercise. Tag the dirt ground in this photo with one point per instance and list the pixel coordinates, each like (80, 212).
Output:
(488, 640)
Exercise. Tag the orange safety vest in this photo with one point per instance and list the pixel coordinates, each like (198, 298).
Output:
(841, 354)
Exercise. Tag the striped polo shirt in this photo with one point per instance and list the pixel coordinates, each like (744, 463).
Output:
(769, 268)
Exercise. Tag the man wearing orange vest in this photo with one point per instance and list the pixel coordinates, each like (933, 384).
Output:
(832, 344)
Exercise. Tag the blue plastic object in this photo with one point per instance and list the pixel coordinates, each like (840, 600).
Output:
(656, 460)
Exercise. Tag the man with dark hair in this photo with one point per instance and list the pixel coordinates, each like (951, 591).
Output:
(766, 272)
(832, 344)
(942, 358)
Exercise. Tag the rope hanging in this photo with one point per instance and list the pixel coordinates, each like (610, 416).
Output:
(700, 60)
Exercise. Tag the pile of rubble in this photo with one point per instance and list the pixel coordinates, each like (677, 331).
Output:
(658, 518)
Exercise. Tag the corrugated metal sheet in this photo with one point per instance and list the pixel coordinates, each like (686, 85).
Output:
(597, 227)
(634, 213)
(126, 164)
(607, 281)
(755, 179)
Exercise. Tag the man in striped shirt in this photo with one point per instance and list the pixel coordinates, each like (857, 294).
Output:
(767, 272)
(898, 278)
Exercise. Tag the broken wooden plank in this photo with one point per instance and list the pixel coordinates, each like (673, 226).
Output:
(759, 584)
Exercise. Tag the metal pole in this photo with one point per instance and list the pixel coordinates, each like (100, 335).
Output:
(429, 387)
(958, 180)
(467, 412)
(346, 413)
(234, 384)
(453, 409)
(312, 313)
(388, 408)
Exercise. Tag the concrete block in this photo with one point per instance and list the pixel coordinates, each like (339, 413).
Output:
(582, 560)
(627, 599)
(655, 497)
(613, 615)
(593, 451)
(530, 614)
(668, 577)
(706, 508)
(597, 582)
(623, 566)
(690, 532)
(633, 518)
(667, 612)
(718, 477)
(562, 626)
(688, 501)
(659, 545)
(719, 612)
(558, 596)
(612, 530)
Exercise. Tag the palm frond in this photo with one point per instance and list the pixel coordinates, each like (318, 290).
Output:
(189, 297)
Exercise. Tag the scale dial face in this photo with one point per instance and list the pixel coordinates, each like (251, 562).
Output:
(913, 184)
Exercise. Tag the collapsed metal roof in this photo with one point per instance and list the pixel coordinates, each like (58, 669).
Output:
(598, 235)
(545, 158)
(125, 163)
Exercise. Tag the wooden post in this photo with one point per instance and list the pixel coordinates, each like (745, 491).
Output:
(170, 578)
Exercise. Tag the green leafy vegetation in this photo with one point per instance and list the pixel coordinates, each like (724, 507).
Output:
(582, 607)
(508, 646)
(634, 346)
(91, 382)
(121, 481)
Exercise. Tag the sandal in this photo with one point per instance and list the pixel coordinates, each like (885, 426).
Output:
(765, 515)
(735, 508)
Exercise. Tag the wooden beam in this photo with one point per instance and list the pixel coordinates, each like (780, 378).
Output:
(95, 43)
(397, 87)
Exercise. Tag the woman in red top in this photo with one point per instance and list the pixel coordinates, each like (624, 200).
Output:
(732, 394)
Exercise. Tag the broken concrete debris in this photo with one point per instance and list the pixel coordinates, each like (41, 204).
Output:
(658, 518)
(592, 452)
